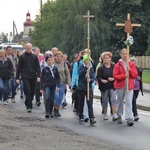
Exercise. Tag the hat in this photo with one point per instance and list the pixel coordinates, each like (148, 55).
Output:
(48, 56)
(85, 57)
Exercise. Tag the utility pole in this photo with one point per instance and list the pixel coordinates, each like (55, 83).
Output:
(41, 7)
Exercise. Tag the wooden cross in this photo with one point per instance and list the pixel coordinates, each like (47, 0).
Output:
(88, 16)
(128, 29)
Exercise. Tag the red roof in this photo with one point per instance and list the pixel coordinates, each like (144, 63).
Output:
(28, 21)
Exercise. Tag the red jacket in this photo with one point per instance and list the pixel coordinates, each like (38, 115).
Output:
(119, 75)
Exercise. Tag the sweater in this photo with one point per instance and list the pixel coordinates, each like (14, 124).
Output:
(6, 69)
(49, 77)
(28, 66)
(63, 73)
(104, 73)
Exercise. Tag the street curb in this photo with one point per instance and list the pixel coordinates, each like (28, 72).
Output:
(146, 108)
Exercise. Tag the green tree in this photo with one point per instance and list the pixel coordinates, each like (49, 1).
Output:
(117, 12)
(63, 25)
(4, 38)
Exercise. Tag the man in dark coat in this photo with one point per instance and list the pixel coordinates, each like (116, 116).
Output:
(29, 70)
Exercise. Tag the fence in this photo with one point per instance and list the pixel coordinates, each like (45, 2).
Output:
(143, 62)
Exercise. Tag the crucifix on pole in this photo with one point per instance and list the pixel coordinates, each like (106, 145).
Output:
(128, 29)
(88, 16)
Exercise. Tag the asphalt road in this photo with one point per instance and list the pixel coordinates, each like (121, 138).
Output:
(130, 138)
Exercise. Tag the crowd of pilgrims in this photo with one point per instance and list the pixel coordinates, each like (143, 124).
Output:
(48, 76)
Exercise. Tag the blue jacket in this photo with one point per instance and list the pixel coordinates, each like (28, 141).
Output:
(75, 74)
(82, 82)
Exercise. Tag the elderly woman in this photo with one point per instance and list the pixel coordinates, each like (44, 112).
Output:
(137, 87)
(6, 74)
(105, 80)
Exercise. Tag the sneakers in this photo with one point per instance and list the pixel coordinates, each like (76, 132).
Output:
(29, 110)
(92, 121)
(105, 117)
(56, 113)
(64, 104)
(119, 120)
(74, 110)
(51, 115)
(81, 121)
(38, 103)
(86, 119)
(136, 118)
(130, 122)
(5, 102)
(21, 97)
(13, 100)
(115, 117)
(47, 116)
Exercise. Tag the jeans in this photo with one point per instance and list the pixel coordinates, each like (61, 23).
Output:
(59, 95)
(21, 88)
(29, 90)
(4, 89)
(12, 87)
(49, 99)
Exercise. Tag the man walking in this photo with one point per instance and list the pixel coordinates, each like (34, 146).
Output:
(29, 69)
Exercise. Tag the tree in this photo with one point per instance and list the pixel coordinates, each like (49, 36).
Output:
(117, 11)
(63, 25)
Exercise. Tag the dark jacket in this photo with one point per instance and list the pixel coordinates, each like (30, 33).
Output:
(82, 82)
(104, 73)
(49, 80)
(28, 66)
(6, 69)
(139, 71)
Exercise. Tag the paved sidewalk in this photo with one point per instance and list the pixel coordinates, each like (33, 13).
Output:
(143, 102)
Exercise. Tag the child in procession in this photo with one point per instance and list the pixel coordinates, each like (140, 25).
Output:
(49, 79)
(82, 89)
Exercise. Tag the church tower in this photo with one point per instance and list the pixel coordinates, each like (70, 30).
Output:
(28, 25)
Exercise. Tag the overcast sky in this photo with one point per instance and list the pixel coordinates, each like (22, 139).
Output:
(16, 10)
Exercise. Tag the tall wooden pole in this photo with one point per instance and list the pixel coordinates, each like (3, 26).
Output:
(41, 3)
(88, 16)
(128, 29)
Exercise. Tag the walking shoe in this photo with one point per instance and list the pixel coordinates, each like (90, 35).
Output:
(5, 102)
(130, 122)
(86, 119)
(21, 97)
(81, 121)
(29, 110)
(51, 115)
(115, 117)
(13, 100)
(119, 120)
(105, 117)
(92, 121)
(64, 104)
(38, 103)
(74, 110)
(56, 113)
(136, 118)
(47, 116)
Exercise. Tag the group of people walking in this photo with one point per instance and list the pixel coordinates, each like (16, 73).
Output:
(49, 75)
